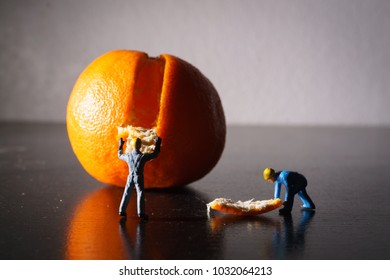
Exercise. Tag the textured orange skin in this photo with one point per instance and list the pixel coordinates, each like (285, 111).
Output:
(188, 116)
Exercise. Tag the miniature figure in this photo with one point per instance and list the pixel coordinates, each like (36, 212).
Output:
(295, 183)
(136, 161)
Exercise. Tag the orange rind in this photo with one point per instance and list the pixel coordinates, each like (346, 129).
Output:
(244, 208)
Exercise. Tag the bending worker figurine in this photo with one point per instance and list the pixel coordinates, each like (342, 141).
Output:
(295, 183)
(136, 161)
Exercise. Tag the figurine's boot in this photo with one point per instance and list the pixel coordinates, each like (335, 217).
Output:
(143, 216)
(288, 204)
(308, 204)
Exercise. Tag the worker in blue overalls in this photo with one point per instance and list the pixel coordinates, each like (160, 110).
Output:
(295, 183)
(136, 161)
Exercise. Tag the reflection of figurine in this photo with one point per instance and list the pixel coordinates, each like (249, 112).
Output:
(295, 183)
(291, 236)
(136, 161)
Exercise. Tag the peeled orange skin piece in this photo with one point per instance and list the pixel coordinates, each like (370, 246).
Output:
(246, 208)
(127, 87)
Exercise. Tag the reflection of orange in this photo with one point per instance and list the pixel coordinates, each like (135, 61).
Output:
(93, 232)
(176, 229)
(130, 88)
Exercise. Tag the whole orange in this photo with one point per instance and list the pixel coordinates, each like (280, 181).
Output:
(166, 93)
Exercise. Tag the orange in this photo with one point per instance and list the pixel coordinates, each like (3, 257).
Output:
(167, 94)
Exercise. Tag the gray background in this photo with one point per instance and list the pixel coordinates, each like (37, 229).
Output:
(272, 62)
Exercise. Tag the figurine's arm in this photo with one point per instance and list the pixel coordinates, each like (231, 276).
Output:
(156, 149)
(277, 189)
(120, 149)
(286, 197)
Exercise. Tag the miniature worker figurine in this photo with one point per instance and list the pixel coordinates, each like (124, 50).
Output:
(136, 161)
(295, 183)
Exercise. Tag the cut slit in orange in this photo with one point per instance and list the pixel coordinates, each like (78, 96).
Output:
(145, 102)
(244, 208)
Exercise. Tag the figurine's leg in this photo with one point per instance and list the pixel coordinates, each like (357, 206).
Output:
(289, 204)
(126, 196)
(140, 201)
(306, 200)
(139, 185)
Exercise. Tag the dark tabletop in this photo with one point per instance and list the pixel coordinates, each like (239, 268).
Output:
(50, 208)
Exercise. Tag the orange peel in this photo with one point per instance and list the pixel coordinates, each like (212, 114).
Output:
(244, 208)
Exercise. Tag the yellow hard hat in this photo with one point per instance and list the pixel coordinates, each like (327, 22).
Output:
(268, 173)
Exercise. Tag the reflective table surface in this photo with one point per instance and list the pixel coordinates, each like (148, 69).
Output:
(50, 208)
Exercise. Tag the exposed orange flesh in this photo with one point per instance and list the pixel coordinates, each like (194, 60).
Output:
(145, 101)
